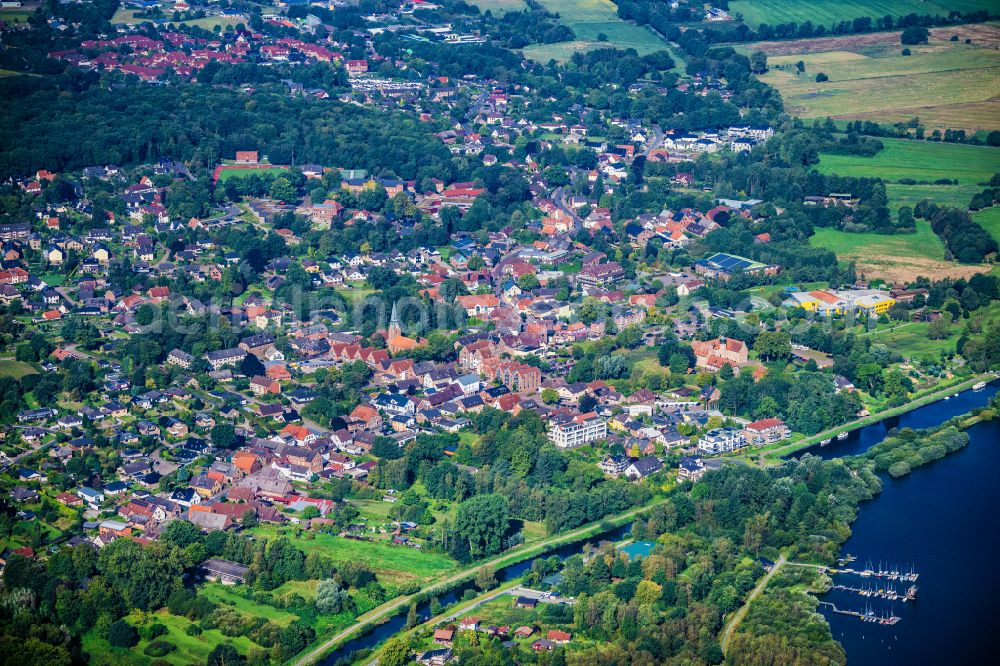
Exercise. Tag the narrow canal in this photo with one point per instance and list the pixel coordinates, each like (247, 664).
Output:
(940, 519)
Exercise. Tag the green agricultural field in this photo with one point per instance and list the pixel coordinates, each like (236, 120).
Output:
(919, 160)
(825, 12)
(500, 6)
(898, 258)
(990, 220)
(901, 159)
(946, 84)
(589, 19)
(957, 196)
(392, 564)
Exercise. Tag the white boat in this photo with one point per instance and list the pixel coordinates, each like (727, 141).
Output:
(826, 441)
(978, 387)
(841, 435)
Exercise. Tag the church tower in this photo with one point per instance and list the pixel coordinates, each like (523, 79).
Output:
(394, 331)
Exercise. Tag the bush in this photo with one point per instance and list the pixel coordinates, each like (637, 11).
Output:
(122, 634)
(159, 649)
(906, 52)
(193, 630)
(822, 78)
(152, 631)
(898, 469)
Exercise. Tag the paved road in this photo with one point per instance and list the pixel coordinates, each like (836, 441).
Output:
(654, 143)
(741, 613)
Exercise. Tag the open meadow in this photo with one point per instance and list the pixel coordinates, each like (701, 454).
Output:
(826, 12)
(989, 219)
(897, 258)
(947, 84)
(923, 162)
(908, 255)
(392, 564)
(589, 19)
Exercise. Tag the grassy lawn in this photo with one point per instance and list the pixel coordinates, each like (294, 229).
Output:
(590, 18)
(944, 83)
(825, 12)
(15, 369)
(190, 649)
(304, 588)
(54, 279)
(990, 220)
(14, 15)
(209, 22)
(394, 564)
(355, 291)
(911, 340)
(226, 595)
(468, 437)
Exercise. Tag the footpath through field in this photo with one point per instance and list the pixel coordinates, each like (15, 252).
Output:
(742, 611)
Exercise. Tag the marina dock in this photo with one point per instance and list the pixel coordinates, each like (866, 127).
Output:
(867, 616)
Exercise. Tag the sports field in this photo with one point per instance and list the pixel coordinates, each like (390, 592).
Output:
(231, 171)
(589, 19)
(944, 83)
(499, 6)
(826, 12)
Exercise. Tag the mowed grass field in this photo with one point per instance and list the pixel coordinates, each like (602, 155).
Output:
(944, 83)
(392, 564)
(588, 19)
(901, 159)
(15, 369)
(826, 12)
(919, 160)
(15, 15)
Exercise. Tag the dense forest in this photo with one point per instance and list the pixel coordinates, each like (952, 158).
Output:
(201, 126)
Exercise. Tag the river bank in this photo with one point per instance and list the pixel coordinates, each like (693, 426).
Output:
(783, 450)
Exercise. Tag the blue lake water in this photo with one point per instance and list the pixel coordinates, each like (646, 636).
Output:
(942, 519)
